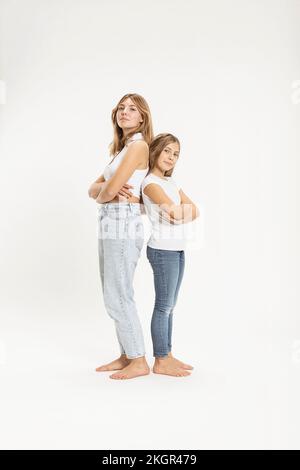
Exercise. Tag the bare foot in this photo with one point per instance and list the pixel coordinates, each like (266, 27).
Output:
(169, 366)
(135, 368)
(181, 364)
(118, 364)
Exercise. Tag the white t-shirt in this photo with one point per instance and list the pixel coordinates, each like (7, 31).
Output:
(164, 235)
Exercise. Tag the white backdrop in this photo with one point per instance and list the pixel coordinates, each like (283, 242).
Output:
(224, 77)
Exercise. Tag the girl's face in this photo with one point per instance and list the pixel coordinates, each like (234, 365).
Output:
(168, 157)
(128, 115)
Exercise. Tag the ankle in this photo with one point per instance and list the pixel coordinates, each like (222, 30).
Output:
(138, 360)
(159, 359)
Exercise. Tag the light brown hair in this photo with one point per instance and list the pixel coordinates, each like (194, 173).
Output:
(156, 147)
(144, 127)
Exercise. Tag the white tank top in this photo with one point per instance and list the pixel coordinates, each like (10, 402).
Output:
(164, 235)
(138, 175)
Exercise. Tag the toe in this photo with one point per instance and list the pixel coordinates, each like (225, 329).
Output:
(114, 376)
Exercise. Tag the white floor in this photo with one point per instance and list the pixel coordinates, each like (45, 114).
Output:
(243, 393)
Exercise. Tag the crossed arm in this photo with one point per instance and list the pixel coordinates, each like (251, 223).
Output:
(185, 212)
(104, 191)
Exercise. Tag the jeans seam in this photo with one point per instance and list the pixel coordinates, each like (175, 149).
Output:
(135, 347)
(122, 263)
(164, 286)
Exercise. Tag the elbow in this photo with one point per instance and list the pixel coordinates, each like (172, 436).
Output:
(105, 196)
(91, 193)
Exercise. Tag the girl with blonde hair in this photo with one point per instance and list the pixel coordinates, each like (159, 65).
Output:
(121, 231)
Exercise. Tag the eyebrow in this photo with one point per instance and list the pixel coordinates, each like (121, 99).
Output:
(122, 104)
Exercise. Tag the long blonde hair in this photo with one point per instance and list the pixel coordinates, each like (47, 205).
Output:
(144, 127)
(156, 147)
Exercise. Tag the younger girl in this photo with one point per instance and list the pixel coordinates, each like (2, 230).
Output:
(168, 207)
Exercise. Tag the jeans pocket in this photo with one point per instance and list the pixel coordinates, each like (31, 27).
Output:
(139, 242)
(151, 254)
(139, 234)
(100, 215)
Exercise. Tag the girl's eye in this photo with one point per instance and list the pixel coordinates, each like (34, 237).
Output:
(121, 108)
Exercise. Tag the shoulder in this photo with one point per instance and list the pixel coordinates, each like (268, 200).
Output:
(155, 191)
(138, 144)
(137, 150)
(146, 180)
(149, 179)
(150, 185)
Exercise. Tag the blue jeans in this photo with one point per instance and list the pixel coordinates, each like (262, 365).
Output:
(168, 268)
(120, 241)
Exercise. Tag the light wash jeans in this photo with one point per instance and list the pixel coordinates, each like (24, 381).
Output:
(120, 241)
(168, 269)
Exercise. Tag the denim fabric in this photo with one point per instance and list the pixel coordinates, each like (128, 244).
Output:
(120, 241)
(168, 269)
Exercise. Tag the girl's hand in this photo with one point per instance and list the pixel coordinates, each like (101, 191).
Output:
(124, 191)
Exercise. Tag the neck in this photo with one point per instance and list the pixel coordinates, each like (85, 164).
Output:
(158, 172)
(128, 131)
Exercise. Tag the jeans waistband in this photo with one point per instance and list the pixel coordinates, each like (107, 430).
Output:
(124, 207)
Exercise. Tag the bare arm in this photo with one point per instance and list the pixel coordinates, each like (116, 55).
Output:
(185, 212)
(96, 187)
(135, 155)
(186, 200)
